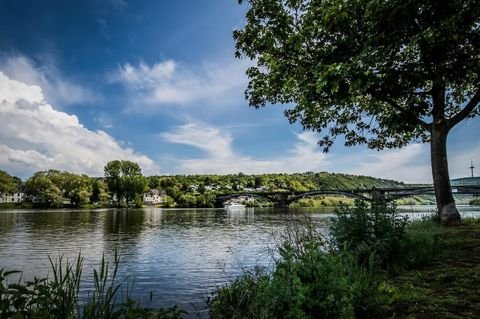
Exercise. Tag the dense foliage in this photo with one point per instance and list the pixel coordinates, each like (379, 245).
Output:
(9, 184)
(365, 230)
(125, 180)
(344, 278)
(52, 187)
(380, 73)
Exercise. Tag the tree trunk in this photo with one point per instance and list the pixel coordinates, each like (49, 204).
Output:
(447, 210)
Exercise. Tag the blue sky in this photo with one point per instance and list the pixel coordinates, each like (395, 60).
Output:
(85, 82)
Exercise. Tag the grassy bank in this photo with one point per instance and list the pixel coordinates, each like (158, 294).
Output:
(374, 266)
(447, 287)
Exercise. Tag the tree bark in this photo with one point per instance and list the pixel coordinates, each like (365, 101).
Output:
(447, 209)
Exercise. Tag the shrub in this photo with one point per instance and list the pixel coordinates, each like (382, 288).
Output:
(421, 242)
(240, 298)
(308, 281)
(316, 284)
(369, 229)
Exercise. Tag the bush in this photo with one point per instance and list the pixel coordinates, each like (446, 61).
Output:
(308, 281)
(421, 243)
(240, 298)
(342, 279)
(369, 229)
(316, 284)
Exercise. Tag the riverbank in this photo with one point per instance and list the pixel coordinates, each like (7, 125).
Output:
(422, 270)
(448, 287)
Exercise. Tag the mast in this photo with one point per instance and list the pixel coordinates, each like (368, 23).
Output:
(471, 166)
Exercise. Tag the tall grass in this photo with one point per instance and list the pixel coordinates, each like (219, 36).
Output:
(308, 281)
(59, 297)
(367, 229)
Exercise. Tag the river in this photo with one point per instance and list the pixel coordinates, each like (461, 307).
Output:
(180, 255)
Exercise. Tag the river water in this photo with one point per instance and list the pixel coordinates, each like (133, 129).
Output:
(179, 255)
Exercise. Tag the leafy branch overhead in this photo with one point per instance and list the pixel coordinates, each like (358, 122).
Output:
(375, 72)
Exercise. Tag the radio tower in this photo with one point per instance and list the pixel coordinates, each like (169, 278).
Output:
(471, 166)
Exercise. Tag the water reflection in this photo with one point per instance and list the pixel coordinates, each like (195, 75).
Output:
(179, 254)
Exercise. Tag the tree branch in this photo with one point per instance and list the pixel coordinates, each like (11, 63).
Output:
(460, 116)
(397, 107)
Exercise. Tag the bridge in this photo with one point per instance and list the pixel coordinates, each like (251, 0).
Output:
(285, 198)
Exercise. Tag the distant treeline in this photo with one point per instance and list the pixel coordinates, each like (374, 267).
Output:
(124, 184)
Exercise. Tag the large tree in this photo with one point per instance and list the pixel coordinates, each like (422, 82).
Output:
(380, 73)
(44, 189)
(125, 180)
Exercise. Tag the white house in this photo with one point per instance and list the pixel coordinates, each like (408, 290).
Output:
(154, 197)
(12, 198)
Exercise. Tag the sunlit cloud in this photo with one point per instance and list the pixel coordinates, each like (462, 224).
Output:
(35, 136)
(409, 164)
(169, 83)
(56, 87)
(221, 158)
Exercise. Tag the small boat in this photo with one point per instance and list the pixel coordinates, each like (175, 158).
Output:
(230, 206)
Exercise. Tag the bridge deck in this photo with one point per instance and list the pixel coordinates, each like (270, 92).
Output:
(369, 194)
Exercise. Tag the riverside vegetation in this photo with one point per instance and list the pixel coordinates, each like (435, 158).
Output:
(59, 297)
(374, 264)
(124, 184)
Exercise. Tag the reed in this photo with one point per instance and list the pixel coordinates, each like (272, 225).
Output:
(59, 296)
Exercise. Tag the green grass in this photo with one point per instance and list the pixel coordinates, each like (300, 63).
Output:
(447, 287)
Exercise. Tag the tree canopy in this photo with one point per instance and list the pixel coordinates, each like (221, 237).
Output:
(52, 187)
(9, 184)
(380, 73)
(125, 180)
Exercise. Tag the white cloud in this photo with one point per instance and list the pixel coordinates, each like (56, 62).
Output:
(103, 120)
(220, 157)
(171, 83)
(459, 162)
(34, 136)
(54, 85)
(208, 139)
(409, 164)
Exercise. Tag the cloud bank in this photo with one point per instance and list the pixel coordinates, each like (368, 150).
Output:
(221, 158)
(169, 83)
(34, 136)
(56, 88)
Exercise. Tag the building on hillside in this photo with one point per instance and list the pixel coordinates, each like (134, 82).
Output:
(12, 198)
(154, 197)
